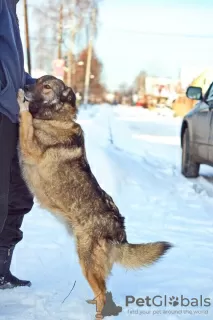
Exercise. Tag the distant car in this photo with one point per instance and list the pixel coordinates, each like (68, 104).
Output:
(197, 132)
(142, 103)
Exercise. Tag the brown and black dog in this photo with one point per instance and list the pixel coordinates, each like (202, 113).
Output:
(55, 167)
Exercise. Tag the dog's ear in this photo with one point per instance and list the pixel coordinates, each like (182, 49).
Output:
(68, 96)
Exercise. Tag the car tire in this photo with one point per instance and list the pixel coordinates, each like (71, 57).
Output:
(189, 168)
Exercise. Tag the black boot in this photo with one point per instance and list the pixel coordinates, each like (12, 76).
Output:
(110, 308)
(7, 280)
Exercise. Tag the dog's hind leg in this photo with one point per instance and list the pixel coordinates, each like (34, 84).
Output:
(96, 266)
(98, 285)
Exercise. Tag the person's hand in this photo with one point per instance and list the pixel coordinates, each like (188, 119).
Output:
(23, 105)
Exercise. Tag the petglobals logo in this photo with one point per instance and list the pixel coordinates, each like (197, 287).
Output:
(168, 301)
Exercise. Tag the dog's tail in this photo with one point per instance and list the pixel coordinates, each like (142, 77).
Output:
(137, 255)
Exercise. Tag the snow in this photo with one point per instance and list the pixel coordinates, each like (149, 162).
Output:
(135, 155)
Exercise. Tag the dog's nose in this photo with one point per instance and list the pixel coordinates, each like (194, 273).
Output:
(26, 88)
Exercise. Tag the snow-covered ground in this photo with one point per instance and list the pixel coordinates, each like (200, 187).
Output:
(135, 155)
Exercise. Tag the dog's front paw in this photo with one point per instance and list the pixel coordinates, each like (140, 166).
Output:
(20, 96)
(23, 105)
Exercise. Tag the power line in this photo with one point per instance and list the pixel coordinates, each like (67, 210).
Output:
(160, 34)
(143, 33)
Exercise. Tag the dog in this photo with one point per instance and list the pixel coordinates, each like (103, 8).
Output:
(55, 167)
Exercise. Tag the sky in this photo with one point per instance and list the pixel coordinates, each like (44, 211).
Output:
(125, 50)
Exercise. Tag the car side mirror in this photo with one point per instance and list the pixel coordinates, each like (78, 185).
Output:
(194, 93)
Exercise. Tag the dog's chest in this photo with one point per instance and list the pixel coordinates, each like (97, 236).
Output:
(32, 177)
(36, 179)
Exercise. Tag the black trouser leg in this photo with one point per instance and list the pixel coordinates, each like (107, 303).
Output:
(8, 142)
(16, 199)
(20, 202)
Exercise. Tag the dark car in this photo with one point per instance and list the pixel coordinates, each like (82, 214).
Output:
(197, 132)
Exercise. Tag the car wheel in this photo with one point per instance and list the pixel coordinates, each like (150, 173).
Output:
(190, 169)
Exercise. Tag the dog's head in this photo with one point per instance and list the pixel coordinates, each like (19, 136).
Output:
(49, 98)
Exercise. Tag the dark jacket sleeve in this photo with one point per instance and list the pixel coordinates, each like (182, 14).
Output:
(28, 78)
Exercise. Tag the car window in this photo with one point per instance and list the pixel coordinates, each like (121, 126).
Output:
(210, 94)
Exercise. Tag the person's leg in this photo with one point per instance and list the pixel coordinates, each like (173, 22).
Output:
(7, 148)
(19, 202)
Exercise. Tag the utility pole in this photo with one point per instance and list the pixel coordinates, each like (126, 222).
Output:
(70, 53)
(27, 36)
(70, 59)
(60, 30)
(92, 25)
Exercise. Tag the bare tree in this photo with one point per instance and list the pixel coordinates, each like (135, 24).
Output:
(97, 89)
(140, 82)
(60, 29)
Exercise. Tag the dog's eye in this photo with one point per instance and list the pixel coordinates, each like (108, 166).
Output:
(46, 86)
